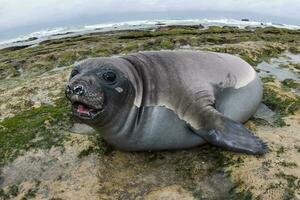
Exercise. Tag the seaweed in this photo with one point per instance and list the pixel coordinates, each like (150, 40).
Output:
(41, 127)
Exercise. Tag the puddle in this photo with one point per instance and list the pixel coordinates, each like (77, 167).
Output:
(265, 113)
(272, 68)
(293, 57)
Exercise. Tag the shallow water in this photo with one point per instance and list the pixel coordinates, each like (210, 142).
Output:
(272, 68)
(293, 57)
(265, 113)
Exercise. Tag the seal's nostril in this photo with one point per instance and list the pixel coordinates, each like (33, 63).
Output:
(79, 90)
(68, 89)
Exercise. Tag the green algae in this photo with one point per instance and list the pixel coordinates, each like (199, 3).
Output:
(251, 55)
(259, 122)
(268, 79)
(217, 163)
(130, 46)
(250, 60)
(293, 183)
(290, 83)
(41, 127)
(166, 44)
(65, 51)
(67, 59)
(294, 50)
(12, 191)
(290, 65)
(281, 150)
(99, 146)
(283, 106)
(288, 164)
(30, 194)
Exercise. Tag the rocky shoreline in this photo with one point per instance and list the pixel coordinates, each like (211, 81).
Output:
(42, 158)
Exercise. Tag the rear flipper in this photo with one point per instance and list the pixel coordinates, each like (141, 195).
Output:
(232, 135)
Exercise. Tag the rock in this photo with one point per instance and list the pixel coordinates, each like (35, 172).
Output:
(230, 27)
(201, 26)
(174, 192)
(26, 40)
(57, 172)
(75, 171)
(251, 28)
(160, 24)
(82, 129)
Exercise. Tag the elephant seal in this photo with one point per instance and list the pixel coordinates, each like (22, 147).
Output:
(162, 100)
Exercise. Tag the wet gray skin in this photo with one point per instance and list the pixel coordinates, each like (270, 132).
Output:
(168, 100)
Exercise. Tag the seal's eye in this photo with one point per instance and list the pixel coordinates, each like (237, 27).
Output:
(74, 73)
(109, 76)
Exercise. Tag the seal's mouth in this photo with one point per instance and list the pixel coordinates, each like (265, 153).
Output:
(84, 111)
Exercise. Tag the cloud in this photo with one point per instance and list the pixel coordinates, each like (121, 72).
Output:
(20, 13)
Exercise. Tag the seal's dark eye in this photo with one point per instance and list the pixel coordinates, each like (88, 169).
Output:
(109, 76)
(74, 73)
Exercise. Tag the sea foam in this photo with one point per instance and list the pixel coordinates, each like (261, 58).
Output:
(60, 32)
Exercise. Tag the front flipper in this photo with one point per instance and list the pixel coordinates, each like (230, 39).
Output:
(232, 135)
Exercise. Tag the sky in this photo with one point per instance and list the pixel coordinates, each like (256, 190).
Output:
(29, 15)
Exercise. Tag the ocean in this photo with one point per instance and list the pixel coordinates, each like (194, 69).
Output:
(68, 31)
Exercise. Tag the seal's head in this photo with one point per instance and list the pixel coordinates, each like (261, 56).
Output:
(97, 90)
